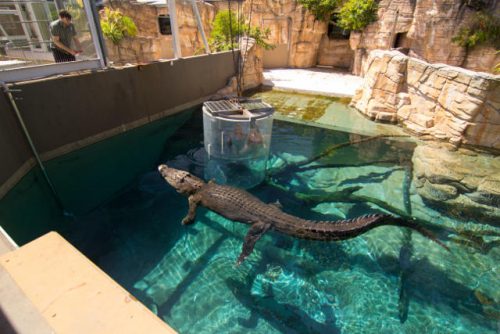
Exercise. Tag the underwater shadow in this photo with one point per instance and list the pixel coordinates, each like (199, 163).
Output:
(344, 165)
(422, 281)
(368, 178)
(419, 280)
(165, 308)
(286, 318)
(135, 230)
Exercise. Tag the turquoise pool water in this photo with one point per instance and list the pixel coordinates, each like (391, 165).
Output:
(389, 280)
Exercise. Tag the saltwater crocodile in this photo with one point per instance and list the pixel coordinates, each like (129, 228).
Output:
(239, 205)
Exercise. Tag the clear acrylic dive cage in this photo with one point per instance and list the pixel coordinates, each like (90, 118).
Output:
(237, 136)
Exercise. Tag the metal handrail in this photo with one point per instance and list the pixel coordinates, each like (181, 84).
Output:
(16, 2)
(18, 22)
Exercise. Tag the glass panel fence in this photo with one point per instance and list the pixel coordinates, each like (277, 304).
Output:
(33, 33)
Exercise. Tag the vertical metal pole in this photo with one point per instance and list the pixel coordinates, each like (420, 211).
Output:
(38, 33)
(13, 104)
(200, 25)
(175, 29)
(59, 5)
(24, 26)
(94, 32)
(4, 33)
(97, 20)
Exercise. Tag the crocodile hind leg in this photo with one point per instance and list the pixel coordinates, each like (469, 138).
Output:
(253, 235)
(193, 201)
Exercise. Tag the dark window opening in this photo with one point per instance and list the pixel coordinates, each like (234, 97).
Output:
(479, 4)
(401, 41)
(334, 31)
(164, 24)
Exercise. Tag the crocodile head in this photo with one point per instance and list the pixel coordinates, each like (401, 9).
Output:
(184, 182)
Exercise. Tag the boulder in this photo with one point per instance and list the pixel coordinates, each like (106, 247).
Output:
(449, 103)
(463, 182)
(252, 70)
(425, 29)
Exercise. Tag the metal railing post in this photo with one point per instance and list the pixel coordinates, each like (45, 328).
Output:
(175, 29)
(13, 104)
(94, 32)
(200, 25)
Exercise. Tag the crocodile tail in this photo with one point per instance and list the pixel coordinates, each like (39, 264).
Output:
(422, 230)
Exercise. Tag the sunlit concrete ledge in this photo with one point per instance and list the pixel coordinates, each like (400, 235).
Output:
(71, 293)
(318, 81)
(6, 242)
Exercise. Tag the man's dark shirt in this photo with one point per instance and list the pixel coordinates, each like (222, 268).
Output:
(65, 33)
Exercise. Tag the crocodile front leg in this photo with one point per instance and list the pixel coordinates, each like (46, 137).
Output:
(193, 201)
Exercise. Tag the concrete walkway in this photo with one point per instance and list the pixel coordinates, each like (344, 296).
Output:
(313, 81)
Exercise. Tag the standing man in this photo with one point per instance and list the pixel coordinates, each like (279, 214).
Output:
(63, 32)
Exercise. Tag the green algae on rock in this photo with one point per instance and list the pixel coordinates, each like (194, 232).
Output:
(301, 106)
(323, 111)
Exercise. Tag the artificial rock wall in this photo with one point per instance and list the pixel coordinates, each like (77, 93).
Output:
(336, 53)
(253, 65)
(426, 29)
(144, 47)
(463, 182)
(423, 29)
(149, 44)
(291, 25)
(253, 68)
(442, 101)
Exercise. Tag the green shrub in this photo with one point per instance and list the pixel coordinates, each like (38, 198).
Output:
(261, 36)
(357, 14)
(483, 29)
(352, 14)
(116, 26)
(227, 29)
(322, 9)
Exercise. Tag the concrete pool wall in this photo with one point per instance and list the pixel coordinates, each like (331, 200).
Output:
(65, 113)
